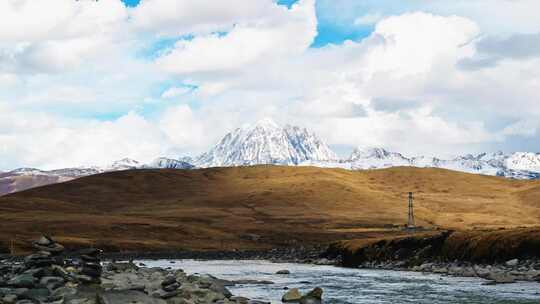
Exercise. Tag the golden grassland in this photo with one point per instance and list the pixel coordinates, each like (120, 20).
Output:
(260, 207)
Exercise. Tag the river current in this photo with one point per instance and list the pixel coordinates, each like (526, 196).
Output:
(343, 285)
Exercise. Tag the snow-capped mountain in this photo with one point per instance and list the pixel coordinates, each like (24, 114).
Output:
(516, 165)
(266, 143)
(169, 163)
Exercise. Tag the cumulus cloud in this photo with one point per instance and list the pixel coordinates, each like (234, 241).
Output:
(185, 17)
(281, 33)
(492, 49)
(75, 87)
(70, 33)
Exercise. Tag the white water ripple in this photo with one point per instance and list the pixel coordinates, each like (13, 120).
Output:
(343, 285)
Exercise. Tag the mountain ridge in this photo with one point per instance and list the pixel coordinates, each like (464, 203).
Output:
(266, 142)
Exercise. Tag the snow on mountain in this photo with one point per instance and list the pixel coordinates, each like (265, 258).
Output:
(517, 165)
(266, 143)
(123, 164)
(376, 158)
(168, 163)
(524, 161)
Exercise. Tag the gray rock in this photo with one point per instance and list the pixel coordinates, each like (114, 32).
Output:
(127, 296)
(27, 301)
(316, 293)
(44, 241)
(9, 299)
(171, 287)
(293, 295)
(313, 297)
(501, 278)
(220, 288)
(51, 280)
(37, 293)
(283, 271)
(165, 294)
(24, 280)
(168, 281)
(512, 262)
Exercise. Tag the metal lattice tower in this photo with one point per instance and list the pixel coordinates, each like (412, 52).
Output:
(410, 223)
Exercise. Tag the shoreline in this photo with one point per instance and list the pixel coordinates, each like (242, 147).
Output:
(496, 256)
(494, 273)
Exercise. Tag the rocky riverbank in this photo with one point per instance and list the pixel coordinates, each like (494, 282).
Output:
(497, 256)
(50, 276)
(300, 254)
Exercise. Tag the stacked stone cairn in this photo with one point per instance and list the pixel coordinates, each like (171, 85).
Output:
(90, 269)
(47, 276)
(38, 277)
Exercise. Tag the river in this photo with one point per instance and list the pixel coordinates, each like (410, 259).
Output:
(343, 285)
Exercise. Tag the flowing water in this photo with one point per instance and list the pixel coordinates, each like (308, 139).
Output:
(343, 285)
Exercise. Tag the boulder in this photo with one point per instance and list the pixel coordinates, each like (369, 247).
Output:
(9, 299)
(24, 280)
(168, 281)
(500, 278)
(316, 293)
(220, 288)
(293, 295)
(283, 271)
(171, 287)
(36, 294)
(165, 294)
(312, 297)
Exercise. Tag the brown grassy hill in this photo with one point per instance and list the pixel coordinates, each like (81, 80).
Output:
(259, 207)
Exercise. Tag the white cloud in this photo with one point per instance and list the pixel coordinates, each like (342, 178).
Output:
(403, 87)
(368, 19)
(77, 142)
(176, 92)
(69, 34)
(183, 17)
(281, 33)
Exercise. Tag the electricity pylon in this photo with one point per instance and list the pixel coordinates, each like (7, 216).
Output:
(410, 223)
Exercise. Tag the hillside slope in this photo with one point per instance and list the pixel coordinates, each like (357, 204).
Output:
(259, 207)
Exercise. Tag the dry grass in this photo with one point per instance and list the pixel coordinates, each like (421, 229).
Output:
(222, 208)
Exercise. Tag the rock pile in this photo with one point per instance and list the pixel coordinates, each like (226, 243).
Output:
(38, 278)
(46, 277)
(90, 267)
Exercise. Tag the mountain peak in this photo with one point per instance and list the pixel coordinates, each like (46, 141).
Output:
(266, 142)
(266, 123)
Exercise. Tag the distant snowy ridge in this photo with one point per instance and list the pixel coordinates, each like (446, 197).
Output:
(517, 165)
(265, 142)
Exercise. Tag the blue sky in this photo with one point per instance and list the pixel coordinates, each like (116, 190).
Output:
(437, 78)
